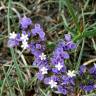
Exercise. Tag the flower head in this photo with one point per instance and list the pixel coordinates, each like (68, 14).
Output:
(62, 90)
(82, 69)
(24, 37)
(24, 45)
(71, 73)
(88, 88)
(12, 43)
(93, 70)
(38, 30)
(42, 56)
(52, 83)
(25, 22)
(40, 76)
(13, 40)
(12, 35)
(43, 70)
(67, 37)
(59, 66)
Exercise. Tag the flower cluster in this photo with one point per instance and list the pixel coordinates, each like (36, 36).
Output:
(53, 70)
(23, 38)
(56, 73)
(88, 83)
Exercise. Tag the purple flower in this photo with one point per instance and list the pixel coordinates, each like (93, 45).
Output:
(38, 30)
(29, 34)
(72, 81)
(55, 78)
(25, 22)
(43, 69)
(67, 80)
(59, 55)
(39, 62)
(67, 37)
(71, 45)
(24, 32)
(52, 82)
(38, 46)
(18, 37)
(46, 80)
(24, 36)
(58, 68)
(88, 88)
(12, 43)
(65, 55)
(93, 70)
(54, 70)
(62, 90)
(14, 40)
(82, 69)
(39, 76)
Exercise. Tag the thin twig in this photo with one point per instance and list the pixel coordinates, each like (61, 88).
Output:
(24, 61)
(13, 9)
(90, 61)
(22, 6)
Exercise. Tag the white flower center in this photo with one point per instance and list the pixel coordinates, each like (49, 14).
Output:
(24, 37)
(71, 73)
(42, 56)
(12, 35)
(43, 70)
(24, 45)
(59, 66)
(95, 65)
(53, 84)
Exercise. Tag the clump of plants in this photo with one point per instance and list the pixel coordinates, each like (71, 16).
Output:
(54, 69)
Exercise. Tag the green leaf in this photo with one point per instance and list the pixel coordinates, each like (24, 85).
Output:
(72, 13)
(86, 34)
(1, 82)
(50, 45)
